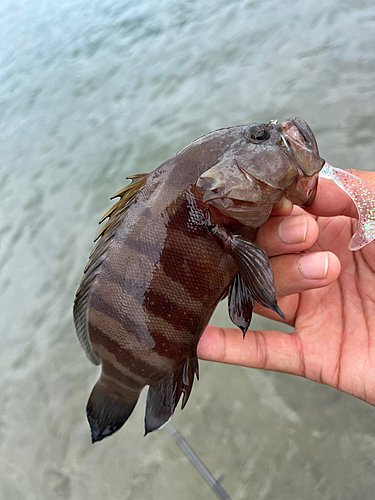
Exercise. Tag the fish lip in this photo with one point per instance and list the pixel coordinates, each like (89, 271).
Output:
(308, 140)
(289, 146)
(301, 144)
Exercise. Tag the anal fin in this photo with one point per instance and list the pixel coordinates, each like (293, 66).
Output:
(163, 397)
(190, 367)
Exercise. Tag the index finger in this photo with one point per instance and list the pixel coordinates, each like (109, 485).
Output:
(268, 350)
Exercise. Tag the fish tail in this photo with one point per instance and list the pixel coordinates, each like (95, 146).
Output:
(109, 407)
(163, 397)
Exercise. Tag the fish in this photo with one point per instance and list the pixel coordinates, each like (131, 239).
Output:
(179, 240)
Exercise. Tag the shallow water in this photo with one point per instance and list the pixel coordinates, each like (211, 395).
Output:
(91, 92)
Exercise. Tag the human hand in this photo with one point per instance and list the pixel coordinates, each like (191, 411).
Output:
(333, 312)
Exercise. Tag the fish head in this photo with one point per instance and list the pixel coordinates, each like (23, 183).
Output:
(264, 163)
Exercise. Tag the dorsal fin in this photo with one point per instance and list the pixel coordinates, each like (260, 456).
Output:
(97, 256)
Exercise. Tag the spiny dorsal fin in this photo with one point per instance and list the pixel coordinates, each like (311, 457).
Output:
(97, 256)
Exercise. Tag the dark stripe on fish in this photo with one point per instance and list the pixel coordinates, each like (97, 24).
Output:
(142, 247)
(189, 219)
(99, 304)
(140, 338)
(109, 371)
(123, 355)
(180, 318)
(135, 288)
(128, 286)
(194, 276)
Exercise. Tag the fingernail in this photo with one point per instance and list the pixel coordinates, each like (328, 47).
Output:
(283, 205)
(293, 230)
(313, 266)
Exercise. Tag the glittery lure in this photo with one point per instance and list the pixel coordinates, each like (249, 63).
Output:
(363, 196)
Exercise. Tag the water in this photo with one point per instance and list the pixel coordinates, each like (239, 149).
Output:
(91, 92)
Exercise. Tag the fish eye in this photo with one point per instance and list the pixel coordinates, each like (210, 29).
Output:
(257, 133)
(261, 135)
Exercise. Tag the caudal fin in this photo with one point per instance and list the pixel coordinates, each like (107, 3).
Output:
(108, 411)
(163, 397)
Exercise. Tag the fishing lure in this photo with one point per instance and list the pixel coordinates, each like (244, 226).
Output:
(363, 196)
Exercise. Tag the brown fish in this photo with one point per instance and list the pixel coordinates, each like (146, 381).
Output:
(179, 240)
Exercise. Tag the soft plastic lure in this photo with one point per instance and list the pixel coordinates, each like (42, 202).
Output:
(363, 196)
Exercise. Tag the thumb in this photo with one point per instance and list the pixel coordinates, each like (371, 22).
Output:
(331, 200)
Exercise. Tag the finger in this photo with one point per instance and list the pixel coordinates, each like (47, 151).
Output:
(280, 235)
(296, 273)
(288, 305)
(331, 200)
(269, 350)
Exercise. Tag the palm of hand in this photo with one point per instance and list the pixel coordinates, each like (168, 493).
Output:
(334, 318)
(335, 326)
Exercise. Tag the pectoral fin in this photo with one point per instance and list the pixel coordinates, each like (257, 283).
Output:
(253, 265)
(240, 304)
(255, 270)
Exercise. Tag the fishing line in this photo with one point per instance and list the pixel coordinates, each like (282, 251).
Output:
(195, 460)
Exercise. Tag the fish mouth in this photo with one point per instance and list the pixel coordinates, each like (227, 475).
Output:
(301, 143)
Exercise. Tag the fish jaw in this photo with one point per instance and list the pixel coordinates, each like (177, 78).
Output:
(302, 191)
(247, 213)
(304, 149)
(303, 146)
